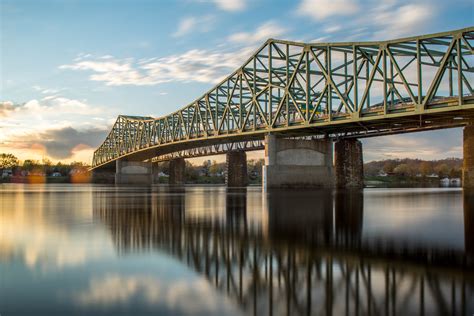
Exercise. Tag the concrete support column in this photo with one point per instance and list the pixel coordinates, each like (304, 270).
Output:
(297, 163)
(349, 164)
(177, 171)
(468, 154)
(133, 172)
(236, 165)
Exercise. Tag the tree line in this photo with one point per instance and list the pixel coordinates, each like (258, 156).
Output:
(449, 167)
(45, 166)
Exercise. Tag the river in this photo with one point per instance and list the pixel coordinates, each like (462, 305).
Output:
(197, 250)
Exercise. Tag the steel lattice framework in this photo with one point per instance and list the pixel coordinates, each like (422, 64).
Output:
(354, 89)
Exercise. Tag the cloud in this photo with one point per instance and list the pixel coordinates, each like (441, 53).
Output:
(323, 9)
(6, 107)
(103, 66)
(392, 21)
(381, 20)
(262, 33)
(197, 65)
(57, 126)
(332, 28)
(194, 24)
(185, 296)
(61, 143)
(185, 26)
(231, 5)
(423, 145)
(112, 289)
(46, 90)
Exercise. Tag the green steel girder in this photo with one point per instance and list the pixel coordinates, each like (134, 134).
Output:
(216, 149)
(332, 89)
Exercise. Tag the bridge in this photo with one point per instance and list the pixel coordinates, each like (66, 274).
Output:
(296, 100)
(312, 260)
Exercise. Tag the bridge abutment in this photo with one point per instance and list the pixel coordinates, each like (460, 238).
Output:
(177, 171)
(133, 172)
(349, 164)
(468, 154)
(236, 169)
(297, 163)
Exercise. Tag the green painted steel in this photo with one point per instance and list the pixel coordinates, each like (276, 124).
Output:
(353, 89)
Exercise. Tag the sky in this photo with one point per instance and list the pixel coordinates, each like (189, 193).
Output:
(69, 67)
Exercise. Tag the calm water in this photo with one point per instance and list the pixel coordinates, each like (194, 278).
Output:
(98, 250)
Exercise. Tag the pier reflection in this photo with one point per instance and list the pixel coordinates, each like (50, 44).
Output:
(308, 256)
(468, 203)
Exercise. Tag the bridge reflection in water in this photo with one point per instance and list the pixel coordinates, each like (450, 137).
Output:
(304, 256)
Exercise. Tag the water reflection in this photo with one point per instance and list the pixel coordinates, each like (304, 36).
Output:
(305, 253)
(469, 221)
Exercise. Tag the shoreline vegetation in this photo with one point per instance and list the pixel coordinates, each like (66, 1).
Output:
(383, 173)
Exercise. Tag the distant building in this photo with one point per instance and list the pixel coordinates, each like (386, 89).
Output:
(447, 182)
(444, 182)
(455, 182)
(382, 173)
(6, 173)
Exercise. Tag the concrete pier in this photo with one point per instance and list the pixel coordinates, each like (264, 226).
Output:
(177, 171)
(133, 172)
(236, 169)
(349, 164)
(297, 163)
(468, 154)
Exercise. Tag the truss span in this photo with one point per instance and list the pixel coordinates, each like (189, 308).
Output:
(353, 89)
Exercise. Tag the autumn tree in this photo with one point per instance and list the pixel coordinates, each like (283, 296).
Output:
(8, 161)
(215, 168)
(402, 169)
(442, 170)
(425, 168)
(206, 165)
(30, 165)
(389, 166)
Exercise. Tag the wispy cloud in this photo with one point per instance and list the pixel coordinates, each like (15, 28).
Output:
(322, 9)
(367, 20)
(265, 31)
(194, 24)
(45, 90)
(197, 65)
(393, 21)
(231, 5)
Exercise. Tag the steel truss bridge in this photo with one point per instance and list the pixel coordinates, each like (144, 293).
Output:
(295, 266)
(353, 89)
